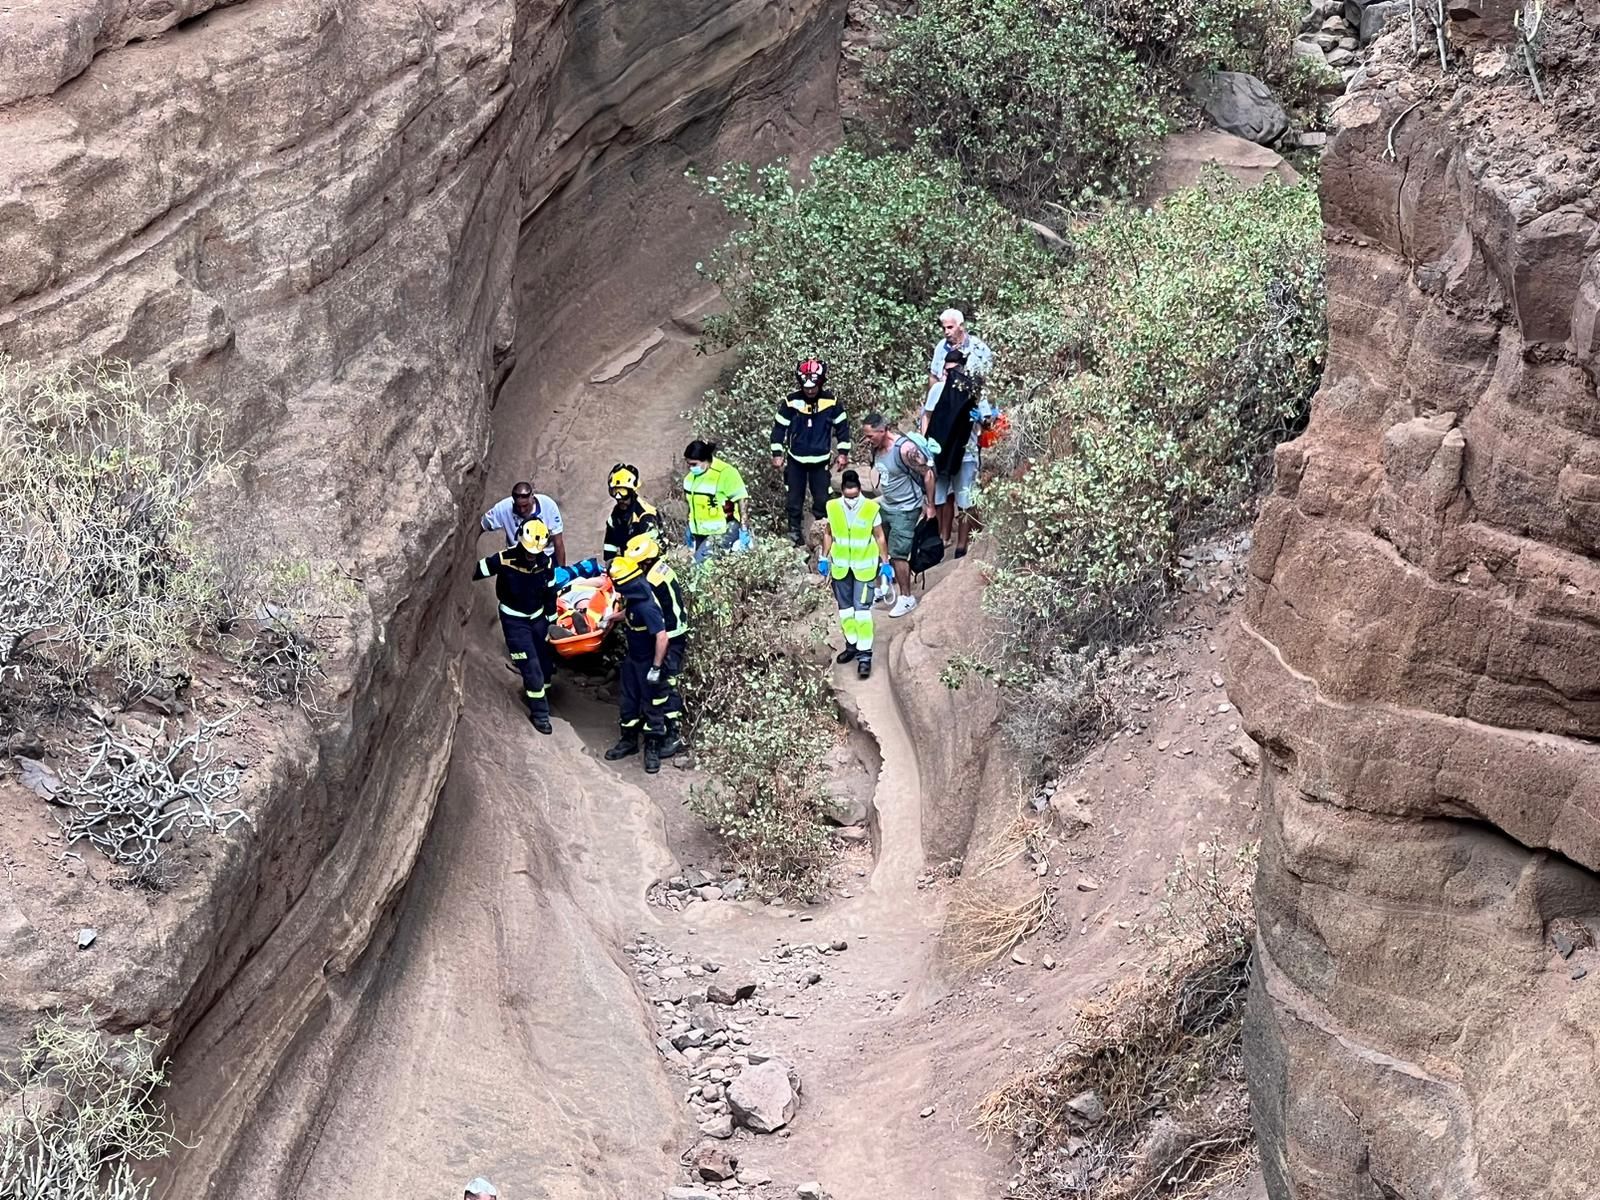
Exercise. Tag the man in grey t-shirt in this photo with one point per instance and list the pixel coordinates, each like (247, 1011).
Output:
(905, 495)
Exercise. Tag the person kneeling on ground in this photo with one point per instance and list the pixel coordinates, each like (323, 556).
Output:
(645, 550)
(716, 495)
(630, 515)
(525, 588)
(854, 553)
(643, 665)
(904, 462)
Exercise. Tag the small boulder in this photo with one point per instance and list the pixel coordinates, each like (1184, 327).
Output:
(729, 996)
(720, 1128)
(765, 1097)
(712, 1163)
(1241, 104)
(811, 1191)
(1088, 1106)
(1375, 18)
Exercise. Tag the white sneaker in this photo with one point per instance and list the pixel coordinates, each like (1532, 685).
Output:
(902, 606)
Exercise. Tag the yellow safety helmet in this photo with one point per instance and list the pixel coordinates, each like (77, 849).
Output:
(534, 536)
(624, 478)
(643, 547)
(623, 570)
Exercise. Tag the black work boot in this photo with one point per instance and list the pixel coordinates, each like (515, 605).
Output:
(864, 666)
(795, 535)
(627, 744)
(652, 754)
(672, 745)
(848, 654)
(541, 723)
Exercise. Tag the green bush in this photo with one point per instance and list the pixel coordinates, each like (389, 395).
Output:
(1056, 102)
(1173, 39)
(763, 715)
(1033, 99)
(1196, 334)
(855, 266)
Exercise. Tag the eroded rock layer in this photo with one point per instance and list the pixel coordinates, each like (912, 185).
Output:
(348, 222)
(1421, 651)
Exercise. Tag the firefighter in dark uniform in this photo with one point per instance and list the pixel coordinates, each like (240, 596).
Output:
(643, 665)
(645, 550)
(810, 429)
(630, 515)
(525, 587)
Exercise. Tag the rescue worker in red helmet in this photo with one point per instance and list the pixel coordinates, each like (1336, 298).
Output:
(630, 515)
(643, 665)
(525, 587)
(810, 430)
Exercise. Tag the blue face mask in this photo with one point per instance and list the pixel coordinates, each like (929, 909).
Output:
(698, 469)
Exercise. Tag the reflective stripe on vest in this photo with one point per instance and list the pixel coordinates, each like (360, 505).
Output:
(705, 510)
(855, 549)
(511, 612)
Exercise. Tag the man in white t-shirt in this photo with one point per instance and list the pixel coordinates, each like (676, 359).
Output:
(521, 506)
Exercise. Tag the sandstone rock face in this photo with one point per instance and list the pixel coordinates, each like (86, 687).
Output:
(348, 222)
(1418, 661)
(1185, 156)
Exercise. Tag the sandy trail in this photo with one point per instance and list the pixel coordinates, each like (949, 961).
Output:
(502, 1033)
(503, 1036)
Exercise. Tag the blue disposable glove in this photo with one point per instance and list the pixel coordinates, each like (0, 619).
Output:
(563, 577)
(822, 566)
(887, 570)
(688, 538)
(975, 415)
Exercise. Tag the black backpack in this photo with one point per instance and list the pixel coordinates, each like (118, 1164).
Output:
(927, 550)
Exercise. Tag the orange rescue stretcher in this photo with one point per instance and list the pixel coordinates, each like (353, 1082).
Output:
(585, 611)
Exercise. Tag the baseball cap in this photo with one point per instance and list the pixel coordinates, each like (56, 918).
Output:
(481, 1187)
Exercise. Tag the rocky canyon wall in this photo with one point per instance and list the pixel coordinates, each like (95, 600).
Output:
(1421, 651)
(346, 222)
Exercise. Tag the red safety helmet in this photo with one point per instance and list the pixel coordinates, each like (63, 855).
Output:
(813, 371)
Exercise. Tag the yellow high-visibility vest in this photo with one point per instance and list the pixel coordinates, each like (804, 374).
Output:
(855, 549)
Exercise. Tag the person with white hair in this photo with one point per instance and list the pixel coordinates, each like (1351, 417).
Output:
(979, 358)
(480, 1189)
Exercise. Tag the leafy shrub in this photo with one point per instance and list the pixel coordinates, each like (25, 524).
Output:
(1173, 39)
(1046, 101)
(1198, 333)
(83, 1109)
(763, 715)
(853, 265)
(1033, 99)
(99, 469)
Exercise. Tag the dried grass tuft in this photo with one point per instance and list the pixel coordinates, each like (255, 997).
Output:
(982, 925)
(1161, 1054)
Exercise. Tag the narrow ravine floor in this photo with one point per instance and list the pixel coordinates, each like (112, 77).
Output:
(504, 1034)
